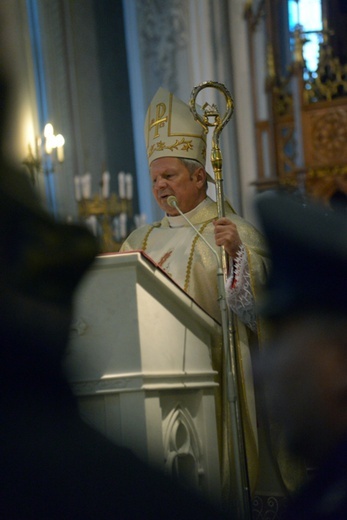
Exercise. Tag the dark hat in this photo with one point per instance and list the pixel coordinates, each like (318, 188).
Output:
(39, 257)
(308, 246)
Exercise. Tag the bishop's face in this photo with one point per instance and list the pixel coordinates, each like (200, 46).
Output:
(171, 177)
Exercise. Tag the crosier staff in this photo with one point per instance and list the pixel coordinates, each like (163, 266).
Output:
(211, 118)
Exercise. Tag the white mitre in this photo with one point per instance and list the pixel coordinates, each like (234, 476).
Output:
(172, 131)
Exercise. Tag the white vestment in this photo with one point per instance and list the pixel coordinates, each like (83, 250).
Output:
(175, 246)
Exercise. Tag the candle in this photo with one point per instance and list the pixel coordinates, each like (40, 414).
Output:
(92, 223)
(123, 225)
(49, 136)
(121, 185)
(60, 141)
(128, 186)
(106, 184)
(49, 144)
(60, 154)
(78, 188)
(86, 185)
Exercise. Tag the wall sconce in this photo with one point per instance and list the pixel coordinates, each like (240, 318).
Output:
(48, 149)
(53, 142)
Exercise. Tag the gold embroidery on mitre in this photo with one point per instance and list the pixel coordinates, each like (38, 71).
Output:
(160, 120)
(183, 145)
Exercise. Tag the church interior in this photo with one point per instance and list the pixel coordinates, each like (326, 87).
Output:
(82, 74)
(90, 70)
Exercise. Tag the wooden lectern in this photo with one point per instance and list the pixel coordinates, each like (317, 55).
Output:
(139, 361)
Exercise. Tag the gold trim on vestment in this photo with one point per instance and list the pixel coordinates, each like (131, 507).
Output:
(191, 254)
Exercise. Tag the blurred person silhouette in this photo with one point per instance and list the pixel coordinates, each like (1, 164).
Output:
(52, 464)
(303, 372)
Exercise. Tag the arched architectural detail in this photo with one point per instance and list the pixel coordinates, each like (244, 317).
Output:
(183, 455)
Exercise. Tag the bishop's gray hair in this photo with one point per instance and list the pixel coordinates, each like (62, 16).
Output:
(192, 165)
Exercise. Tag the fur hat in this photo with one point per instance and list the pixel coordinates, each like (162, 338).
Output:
(308, 246)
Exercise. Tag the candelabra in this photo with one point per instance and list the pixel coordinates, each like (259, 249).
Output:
(107, 215)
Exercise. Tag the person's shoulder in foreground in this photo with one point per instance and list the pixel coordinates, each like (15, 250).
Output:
(304, 369)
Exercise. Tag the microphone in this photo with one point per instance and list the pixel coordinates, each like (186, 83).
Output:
(172, 201)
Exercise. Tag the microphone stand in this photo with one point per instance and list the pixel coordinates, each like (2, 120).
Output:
(239, 459)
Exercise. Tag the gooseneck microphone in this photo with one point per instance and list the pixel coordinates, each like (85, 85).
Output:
(172, 201)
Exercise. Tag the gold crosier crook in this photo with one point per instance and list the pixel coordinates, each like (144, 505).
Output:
(211, 118)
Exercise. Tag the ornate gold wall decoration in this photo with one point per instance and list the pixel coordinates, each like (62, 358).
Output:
(307, 115)
(326, 136)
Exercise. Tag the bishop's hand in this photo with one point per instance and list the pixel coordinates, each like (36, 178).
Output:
(226, 235)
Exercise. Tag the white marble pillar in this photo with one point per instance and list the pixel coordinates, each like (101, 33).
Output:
(243, 105)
